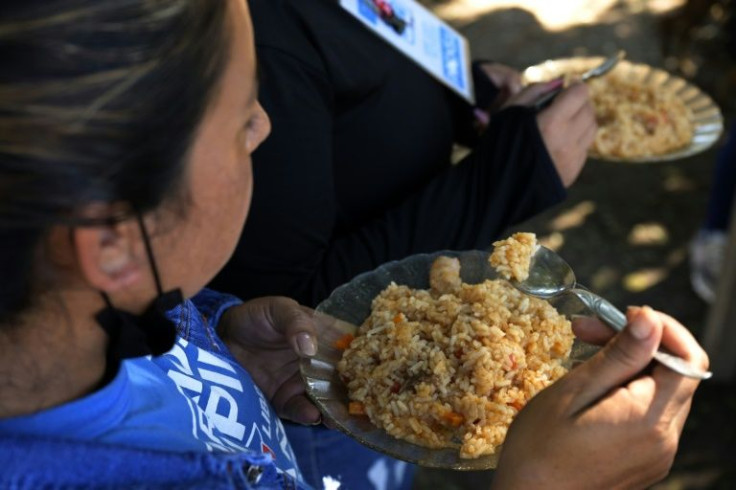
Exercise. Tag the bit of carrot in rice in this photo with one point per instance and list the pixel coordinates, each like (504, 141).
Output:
(344, 342)
(356, 408)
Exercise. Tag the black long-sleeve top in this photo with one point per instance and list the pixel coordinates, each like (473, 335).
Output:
(357, 169)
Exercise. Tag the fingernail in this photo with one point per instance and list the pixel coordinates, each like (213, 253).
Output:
(640, 328)
(306, 344)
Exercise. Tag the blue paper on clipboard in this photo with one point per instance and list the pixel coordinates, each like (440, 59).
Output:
(423, 37)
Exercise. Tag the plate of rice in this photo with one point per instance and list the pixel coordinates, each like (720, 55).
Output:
(428, 359)
(644, 114)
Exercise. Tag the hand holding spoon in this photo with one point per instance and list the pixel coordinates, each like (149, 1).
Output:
(550, 275)
(597, 71)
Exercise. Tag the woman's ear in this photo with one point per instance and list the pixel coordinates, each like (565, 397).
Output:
(109, 256)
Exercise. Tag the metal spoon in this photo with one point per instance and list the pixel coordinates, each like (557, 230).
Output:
(550, 275)
(607, 65)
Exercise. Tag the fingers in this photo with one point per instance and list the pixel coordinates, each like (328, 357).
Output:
(674, 393)
(302, 411)
(588, 135)
(296, 323)
(591, 330)
(585, 125)
(678, 340)
(531, 93)
(576, 110)
(570, 101)
(637, 413)
(678, 421)
(568, 127)
(665, 395)
(623, 358)
(291, 402)
(503, 77)
(567, 104)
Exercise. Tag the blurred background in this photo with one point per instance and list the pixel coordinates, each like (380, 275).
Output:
(625, 228)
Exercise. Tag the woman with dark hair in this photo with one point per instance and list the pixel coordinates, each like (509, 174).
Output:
(126, 128)
(125, 142)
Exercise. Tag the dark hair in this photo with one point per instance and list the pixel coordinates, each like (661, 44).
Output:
(99, 102)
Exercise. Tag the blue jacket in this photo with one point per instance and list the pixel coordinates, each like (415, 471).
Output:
(34, 463)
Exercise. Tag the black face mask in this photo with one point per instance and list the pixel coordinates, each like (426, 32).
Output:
(150, 333)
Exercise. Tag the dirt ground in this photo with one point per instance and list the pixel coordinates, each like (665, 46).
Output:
(625, 228)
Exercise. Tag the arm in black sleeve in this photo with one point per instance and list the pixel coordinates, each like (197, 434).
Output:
(507, 178)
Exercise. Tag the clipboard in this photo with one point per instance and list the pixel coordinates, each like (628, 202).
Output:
(424, 38)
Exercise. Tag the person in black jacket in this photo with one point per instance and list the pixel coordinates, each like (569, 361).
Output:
(358, 171)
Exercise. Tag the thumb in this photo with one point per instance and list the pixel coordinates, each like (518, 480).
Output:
(531, 93)
(295, 322)
(620, 360)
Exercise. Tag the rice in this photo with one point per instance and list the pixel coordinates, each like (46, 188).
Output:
(511, 257)
(638, 119)
(452, 367)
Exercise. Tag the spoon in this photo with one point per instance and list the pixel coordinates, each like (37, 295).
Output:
(607, 65)
(550, 275)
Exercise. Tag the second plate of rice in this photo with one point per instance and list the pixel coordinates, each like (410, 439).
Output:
(645, 114)
(434, 374)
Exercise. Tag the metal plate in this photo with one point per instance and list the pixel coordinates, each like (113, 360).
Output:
(348, 306)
